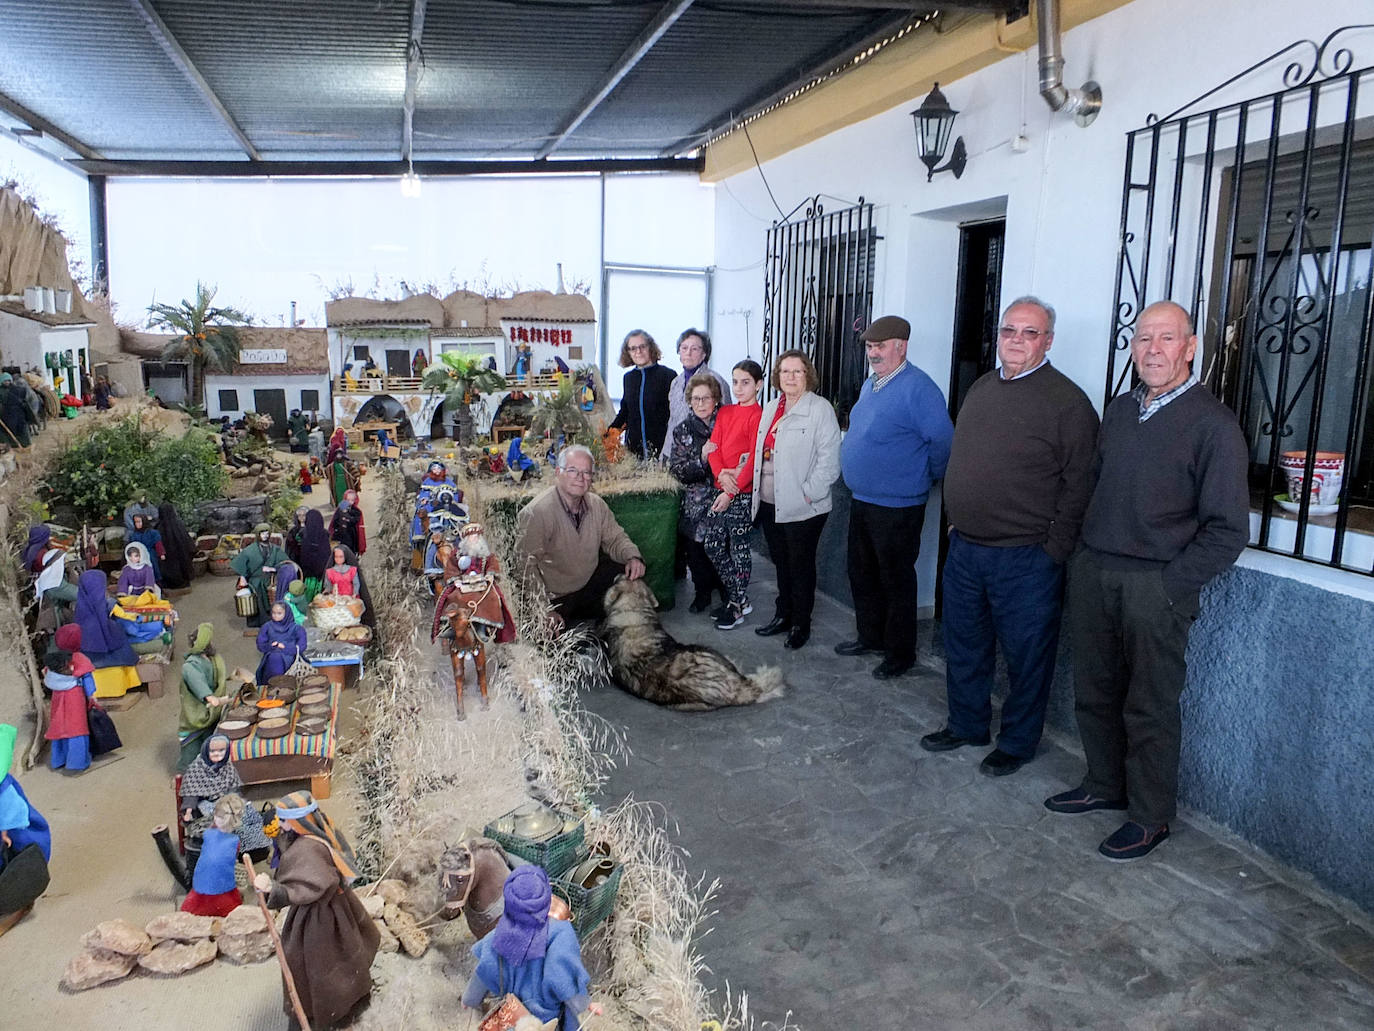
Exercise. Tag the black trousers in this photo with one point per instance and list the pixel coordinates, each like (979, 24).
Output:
(589, 600)
(884, 544)
(704, 576)
(792, 547)
(1129, 643)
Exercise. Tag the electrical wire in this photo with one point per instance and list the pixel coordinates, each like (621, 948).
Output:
(781, 213)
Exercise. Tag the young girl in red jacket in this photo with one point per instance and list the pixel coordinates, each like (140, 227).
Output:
(730, 452)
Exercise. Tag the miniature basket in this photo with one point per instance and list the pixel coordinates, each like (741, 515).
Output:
(555, 854)
(200, 563)
(590, 904)
(339, 613)
(219, 565)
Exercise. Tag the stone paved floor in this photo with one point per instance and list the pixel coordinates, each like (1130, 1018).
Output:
(868, 884)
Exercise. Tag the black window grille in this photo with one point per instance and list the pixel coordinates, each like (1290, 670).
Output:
(1258, 217)
(228, 400)
(310, 400)
(818, 294)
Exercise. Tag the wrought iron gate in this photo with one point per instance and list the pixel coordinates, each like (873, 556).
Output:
(1258, 217)
(818, 294)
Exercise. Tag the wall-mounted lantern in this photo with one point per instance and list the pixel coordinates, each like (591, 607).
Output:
(934, 124)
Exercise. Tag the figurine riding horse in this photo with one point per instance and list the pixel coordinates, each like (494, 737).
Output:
(453, 624)
(471, 876)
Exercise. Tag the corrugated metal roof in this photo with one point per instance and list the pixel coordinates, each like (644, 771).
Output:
(177, 80)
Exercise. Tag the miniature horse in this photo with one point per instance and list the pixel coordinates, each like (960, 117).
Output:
(463, 642)
(471, 877)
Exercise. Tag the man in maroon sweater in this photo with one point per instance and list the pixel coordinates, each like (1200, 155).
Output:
(1170, 511)
(1018, 481)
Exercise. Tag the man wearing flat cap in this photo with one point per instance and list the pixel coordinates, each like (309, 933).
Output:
(896, 448)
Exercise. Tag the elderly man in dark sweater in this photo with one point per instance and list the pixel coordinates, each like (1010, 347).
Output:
(1018, 481)
(1170, 511)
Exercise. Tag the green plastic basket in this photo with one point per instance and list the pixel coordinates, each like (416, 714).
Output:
(556, 855)
(590, 906)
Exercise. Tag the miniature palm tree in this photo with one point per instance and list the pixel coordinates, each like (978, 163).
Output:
(461, 378)
(206, 336)
(561, 415)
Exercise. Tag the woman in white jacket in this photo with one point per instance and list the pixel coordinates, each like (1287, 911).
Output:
(797, 458)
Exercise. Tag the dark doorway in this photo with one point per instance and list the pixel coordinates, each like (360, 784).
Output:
(397, 363)
(273, 403)
(976, 312)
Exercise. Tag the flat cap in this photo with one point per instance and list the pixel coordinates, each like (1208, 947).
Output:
(889, 327)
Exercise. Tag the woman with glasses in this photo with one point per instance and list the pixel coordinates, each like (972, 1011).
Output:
(694, 352)
(644, 400)
(797, 458)
(687, 463)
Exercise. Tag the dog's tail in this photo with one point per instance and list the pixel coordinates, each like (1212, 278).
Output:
(768, 682)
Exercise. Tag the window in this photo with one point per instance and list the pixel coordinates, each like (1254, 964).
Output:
(1260, 226)
(575, 352)
(818, 295)
(361, 353)
(228, 400)
(310, 400)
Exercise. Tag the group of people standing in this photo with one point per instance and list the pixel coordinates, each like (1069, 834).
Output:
(1134, 518)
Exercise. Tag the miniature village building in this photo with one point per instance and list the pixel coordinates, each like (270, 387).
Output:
(279, 371)
(56, 345)
(378, 351)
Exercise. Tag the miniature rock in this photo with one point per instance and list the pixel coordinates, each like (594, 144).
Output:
(393, 891)
(414, 940)
(118, 936)
(185, 927)
(177, 958)
(390, 913)
(373, 904)
(96, 966)
(245, 920)
(246, 948)
(389, 942)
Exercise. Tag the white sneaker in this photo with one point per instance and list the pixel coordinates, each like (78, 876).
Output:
(732, 617)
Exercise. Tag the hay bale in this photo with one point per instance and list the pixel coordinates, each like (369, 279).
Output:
(118, 936)
(412, 938)
(184, 927)
(178, 958)
(94, 966)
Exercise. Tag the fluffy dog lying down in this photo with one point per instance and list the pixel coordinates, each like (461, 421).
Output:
(648, 662)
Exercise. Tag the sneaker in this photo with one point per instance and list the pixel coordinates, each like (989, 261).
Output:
(732, 617)
(1133, 840)
(945, 740)
(1079, 801)
(748, 608)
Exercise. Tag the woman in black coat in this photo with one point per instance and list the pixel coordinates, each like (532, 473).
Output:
(689, 465)
(644, 400)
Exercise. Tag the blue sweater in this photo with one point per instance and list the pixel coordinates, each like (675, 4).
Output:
(898, 441)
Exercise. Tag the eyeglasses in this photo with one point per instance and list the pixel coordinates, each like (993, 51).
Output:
(579, 474)
(702, 399)
(1026, 333)
(639, 347)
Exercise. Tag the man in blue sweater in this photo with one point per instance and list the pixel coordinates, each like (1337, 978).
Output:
(896, 448)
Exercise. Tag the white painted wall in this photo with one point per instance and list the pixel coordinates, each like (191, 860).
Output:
(245, 385)
(1062, 196)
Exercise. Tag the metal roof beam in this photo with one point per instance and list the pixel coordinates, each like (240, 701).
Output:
(359, 169)
(633, 54)
(36, 121)
(415, 59)
(874, 32)
(163, 35)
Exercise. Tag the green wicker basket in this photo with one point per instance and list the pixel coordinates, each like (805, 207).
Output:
(556, 855)
(590, 906)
